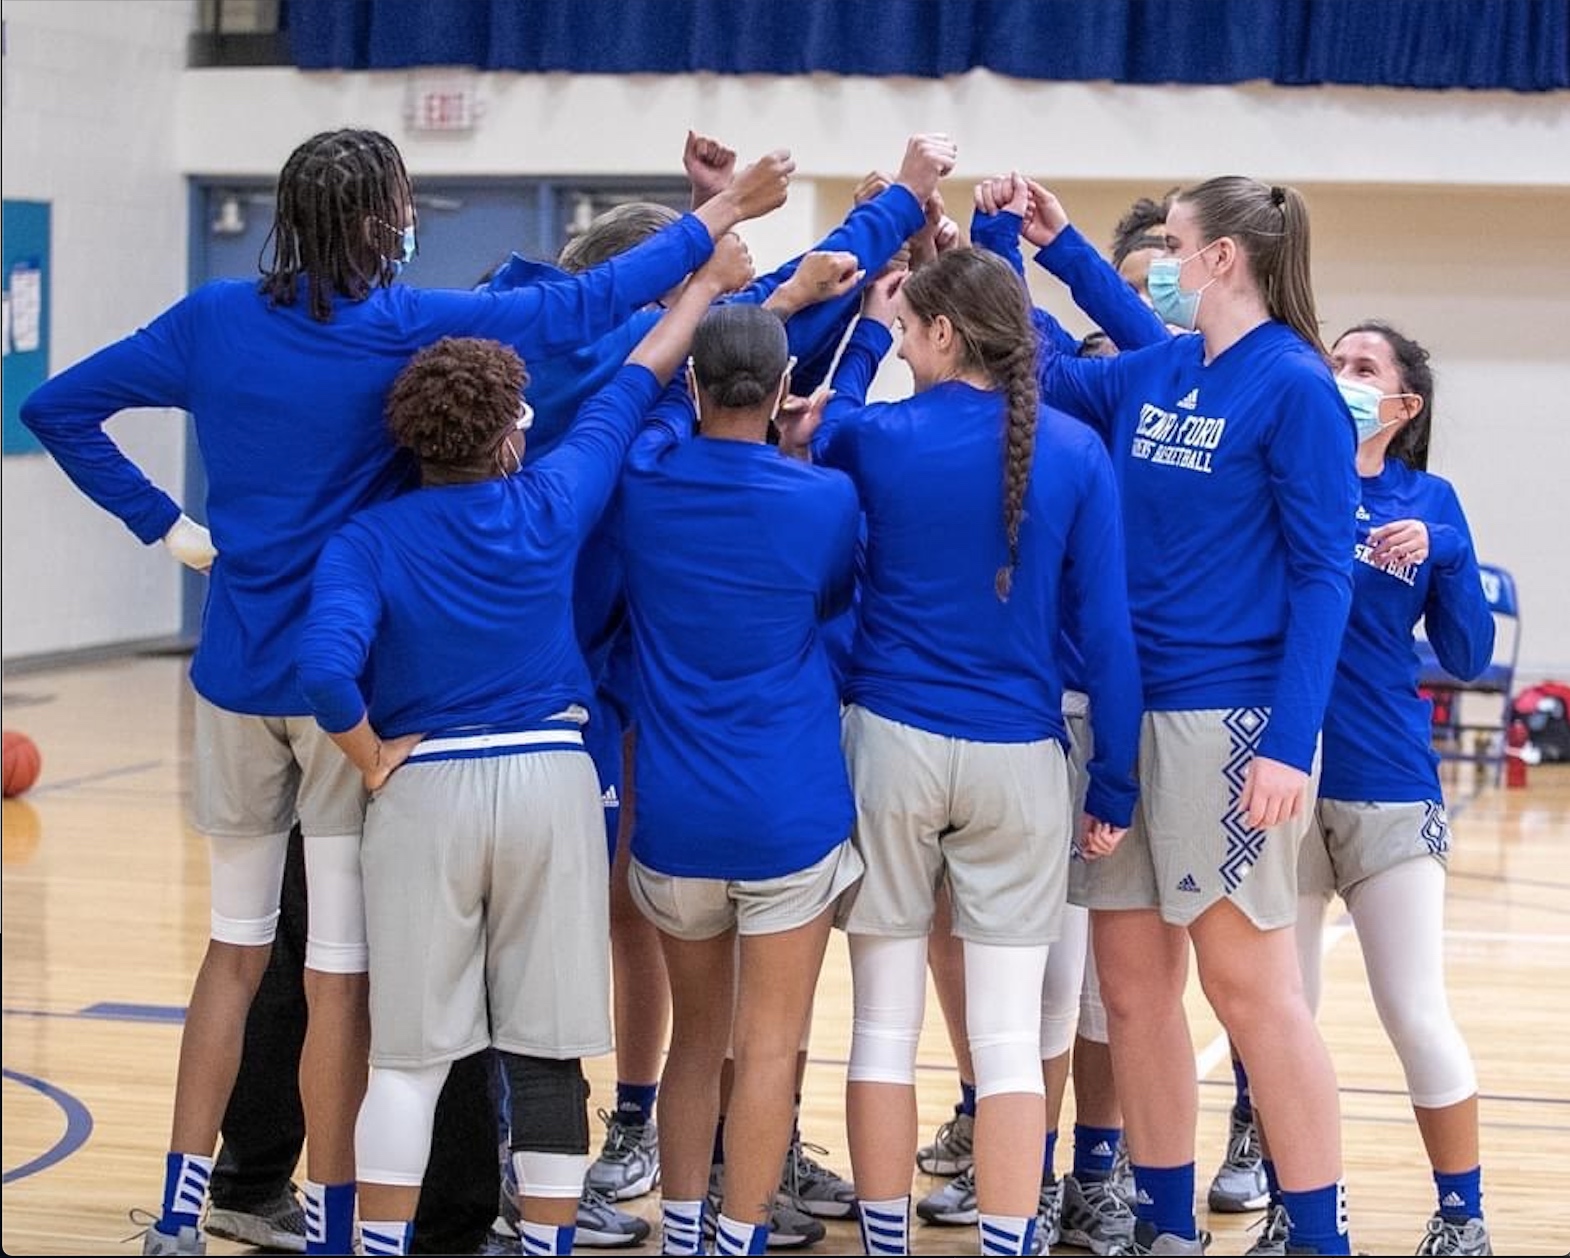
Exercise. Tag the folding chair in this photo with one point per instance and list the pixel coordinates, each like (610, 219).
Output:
(1481, 740)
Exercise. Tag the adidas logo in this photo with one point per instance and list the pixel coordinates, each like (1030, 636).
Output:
(1452, 1201)
(1189, 400)
(1187, 883)
(610, 799)
(1102, 1150)
(1362, 516)
(1143, 1198)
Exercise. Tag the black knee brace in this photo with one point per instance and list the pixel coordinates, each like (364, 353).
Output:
(549, 1108)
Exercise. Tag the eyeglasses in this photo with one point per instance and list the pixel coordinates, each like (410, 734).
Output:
(525, 417)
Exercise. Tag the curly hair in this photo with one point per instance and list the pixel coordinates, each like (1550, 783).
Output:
(980, 294)
(1141, 227)
(456, 400)
(342, 198)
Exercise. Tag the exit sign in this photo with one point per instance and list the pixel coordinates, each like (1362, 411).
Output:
(442, 105)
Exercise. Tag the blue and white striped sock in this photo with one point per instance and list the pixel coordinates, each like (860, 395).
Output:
(681, 1229)
(1006, 1234)
(733, 1237)
(186, 1177)
(391, 1237)
(543, 1238)
(885, 1226)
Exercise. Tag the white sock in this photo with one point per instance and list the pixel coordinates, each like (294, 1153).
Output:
(682, 1227)
(1006, 1233)
(543, 1238)
(885, 1226)
(733, 1237)
(386, 1238)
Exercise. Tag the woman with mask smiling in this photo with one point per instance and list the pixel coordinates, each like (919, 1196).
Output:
(1379, 836)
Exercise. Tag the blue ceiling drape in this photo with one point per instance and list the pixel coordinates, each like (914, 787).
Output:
(1516, 45)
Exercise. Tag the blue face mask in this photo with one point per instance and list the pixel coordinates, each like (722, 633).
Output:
(406, 247)
(1172, 302)
(1363, 400)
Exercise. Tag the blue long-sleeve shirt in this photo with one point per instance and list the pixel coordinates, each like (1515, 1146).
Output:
(1378, 738)
(735, 557)
(873, 231)
(450, 608)
(289, 420)
(936, 648)
(1238, 489)
(1094, 284)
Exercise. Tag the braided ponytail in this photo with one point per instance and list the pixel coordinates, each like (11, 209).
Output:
(987, 303)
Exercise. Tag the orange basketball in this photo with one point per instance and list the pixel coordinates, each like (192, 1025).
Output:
(22, 762)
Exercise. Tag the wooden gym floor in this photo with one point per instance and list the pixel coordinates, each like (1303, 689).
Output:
(105, 921)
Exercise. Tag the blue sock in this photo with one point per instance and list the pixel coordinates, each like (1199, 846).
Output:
(1095, 1151)
(635, 1102)
(329, 1218)
(1460, 1196)
(1316, 1220)
(1272, 1184)
(1048, 1155)
(967, 1099)
(1243, 1106)
(186, 1176)
(1165, 1199)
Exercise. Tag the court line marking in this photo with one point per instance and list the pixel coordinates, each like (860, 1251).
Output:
(78, 1127)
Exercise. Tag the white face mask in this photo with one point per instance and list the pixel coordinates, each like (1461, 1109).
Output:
(1364, 401)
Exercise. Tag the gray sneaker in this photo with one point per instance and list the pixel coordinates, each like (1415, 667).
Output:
(1444, 1237)
(1146, 1240)
(602, 1226)
(189, 1241)
(275, 1224)
(1122, 1177)
(629, 1162)
(952, 1150)
(1272, 1240)
(954, 1204)
(1049, 1215)
(1095, 1217)
(812, 1188)
(1239, 1185)
(789, 1228)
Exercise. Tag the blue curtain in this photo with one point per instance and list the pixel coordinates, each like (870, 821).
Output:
(1519, 45)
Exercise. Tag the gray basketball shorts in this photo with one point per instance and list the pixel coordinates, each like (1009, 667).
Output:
(701, 908)
(992, 817)
(1189, 846)
(253, 775)
(1349, 841)
(488, 909)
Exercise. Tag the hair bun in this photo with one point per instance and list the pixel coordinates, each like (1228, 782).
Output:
(1278, 195)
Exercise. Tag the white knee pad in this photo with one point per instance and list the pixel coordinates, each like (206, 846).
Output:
(557, 1175)
(335, 938)
(1062, 983)
(1003, 1022)
(247, 879)
(1399, 914)
(889, 979)
(392, 1136)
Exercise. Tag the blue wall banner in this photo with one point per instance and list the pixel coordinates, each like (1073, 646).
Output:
(25, 237)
